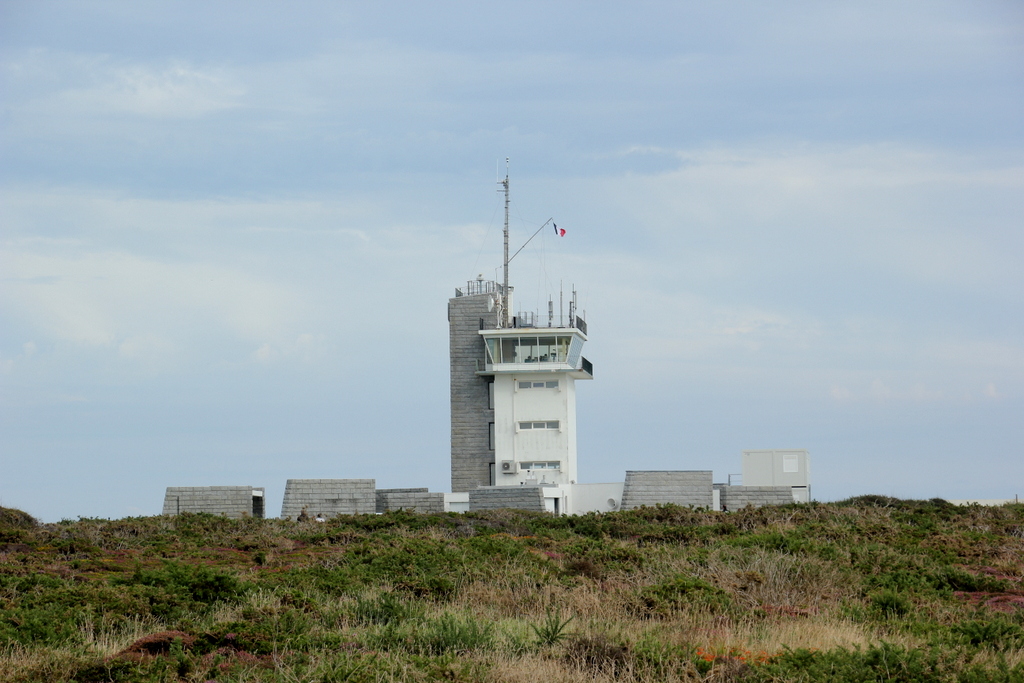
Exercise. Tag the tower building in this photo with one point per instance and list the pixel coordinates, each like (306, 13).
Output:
(513, 386)
(513, 391)
(534, 372)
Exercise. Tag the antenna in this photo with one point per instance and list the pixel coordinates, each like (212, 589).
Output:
(531, 238)
(504, 292)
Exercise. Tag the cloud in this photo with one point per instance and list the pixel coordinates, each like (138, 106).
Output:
(306, 348)
(66, 84)
(142, 308)
(150, 348)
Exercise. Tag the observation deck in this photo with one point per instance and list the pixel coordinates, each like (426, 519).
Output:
(536, 349)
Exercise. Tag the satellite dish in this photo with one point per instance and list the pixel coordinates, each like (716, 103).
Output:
(490, 303)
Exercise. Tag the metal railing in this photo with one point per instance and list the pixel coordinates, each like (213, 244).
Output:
(530, 319)
(525, 319)
(474, 287)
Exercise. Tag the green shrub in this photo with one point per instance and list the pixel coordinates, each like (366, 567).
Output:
(201, 584)
(679, 591)
(792, 542)
(449, 633)
(15, 526)
(386, 608)
(883, 662)
(995, 634)
(891, 604)
(956, 579)
(11, 518)
(256, 637)
(37, 626)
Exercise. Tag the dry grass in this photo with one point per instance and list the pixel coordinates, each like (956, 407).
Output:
(757, 578)
(19, 662)
(106, 640)
(603, 601)
(560, 669)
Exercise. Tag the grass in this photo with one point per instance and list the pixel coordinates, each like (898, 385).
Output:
(867, 589)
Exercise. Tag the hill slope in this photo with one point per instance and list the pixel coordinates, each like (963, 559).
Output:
(866, 589)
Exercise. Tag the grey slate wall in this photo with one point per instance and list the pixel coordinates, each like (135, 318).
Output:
(682, 487)
(230, 501)
(414, 500)
(471, 418)
(329, 497)
(738, 497)
(518, 497)
(383, 494)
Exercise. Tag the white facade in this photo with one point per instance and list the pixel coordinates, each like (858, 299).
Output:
(583, 498)
(534, 398)
(779, 467)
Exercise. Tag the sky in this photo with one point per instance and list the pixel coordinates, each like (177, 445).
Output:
(229, 232)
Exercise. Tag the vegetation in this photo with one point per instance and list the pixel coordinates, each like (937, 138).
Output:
(868, 589)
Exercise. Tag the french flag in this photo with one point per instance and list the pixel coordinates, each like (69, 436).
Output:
(559, 231)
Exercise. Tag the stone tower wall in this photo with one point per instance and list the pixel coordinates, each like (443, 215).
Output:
(471, 417)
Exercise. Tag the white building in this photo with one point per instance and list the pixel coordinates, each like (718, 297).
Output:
(533, 393)
(513, 415)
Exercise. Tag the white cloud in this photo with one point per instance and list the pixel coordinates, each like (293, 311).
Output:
(76, 85)
(264, 354)
(149, 348)
(306, 348)
(840, 393)
(143, 308)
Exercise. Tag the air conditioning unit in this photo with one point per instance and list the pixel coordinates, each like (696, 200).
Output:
(508, 467)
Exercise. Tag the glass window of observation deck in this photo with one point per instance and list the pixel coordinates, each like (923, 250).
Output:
(532, 349)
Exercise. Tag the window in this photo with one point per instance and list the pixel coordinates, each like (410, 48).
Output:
(490, 395)
(549, 384)
(554, 349)
(540, 465)
(550, 424)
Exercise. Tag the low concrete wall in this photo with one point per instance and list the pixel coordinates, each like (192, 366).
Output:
(231, 501)
(329, 497)
(517, 497)
(738, 497)
(382, 495)
(986, 501)
(681, 487)
(413, 500)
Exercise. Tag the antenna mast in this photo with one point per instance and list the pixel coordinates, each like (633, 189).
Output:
(504, 291)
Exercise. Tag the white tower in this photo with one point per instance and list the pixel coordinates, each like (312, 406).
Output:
(534, 398)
